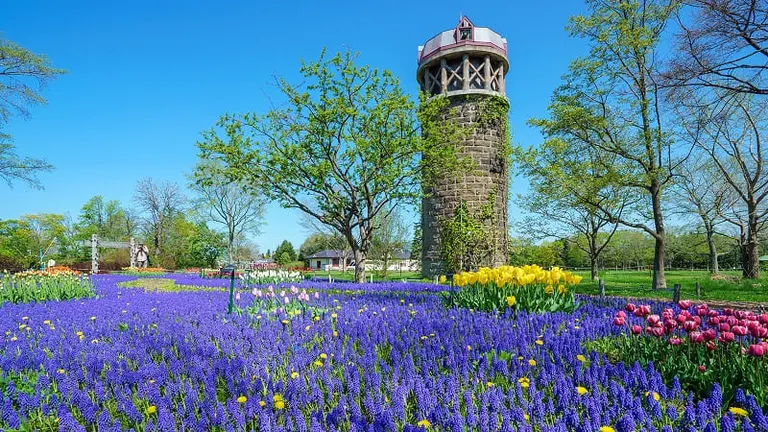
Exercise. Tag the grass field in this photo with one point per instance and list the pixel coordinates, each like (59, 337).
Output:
(638, 284)
(350, 275)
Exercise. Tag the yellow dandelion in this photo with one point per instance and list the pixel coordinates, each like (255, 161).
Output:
(262, 403)
(151, 409)
(334, 315)
(539, 342)
(424, 423)
(242, 399)
(582, 390)
(280, 404)
(294, 375)
(581, 358)
(532, 362)
(607, 429)
(323, 356)
(738, 411)
(318, 363)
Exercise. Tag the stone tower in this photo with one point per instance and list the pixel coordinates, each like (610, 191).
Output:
(468, 64)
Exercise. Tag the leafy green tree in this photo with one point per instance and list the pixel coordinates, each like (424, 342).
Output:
(347, 145)
(22, 75)
(283, 258)
(287, 248)
(610, 107)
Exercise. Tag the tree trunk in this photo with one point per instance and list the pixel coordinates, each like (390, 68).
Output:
(385, 265)
(713, 265)
(359, 265)
(231, 247)
(751, 258)
(659, 281)
(593, 267)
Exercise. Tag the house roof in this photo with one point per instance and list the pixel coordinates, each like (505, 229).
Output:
(329, 253)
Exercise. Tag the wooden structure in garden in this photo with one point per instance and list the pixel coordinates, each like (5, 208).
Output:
(468, 65)
(95, 244)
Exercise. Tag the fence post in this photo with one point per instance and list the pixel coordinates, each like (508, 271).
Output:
(698, 290)
(601, 284)
(676, 293)
(94, 254)
(231, 291)
(133, 252)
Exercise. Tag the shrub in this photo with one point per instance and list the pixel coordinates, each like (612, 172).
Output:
(528, 288)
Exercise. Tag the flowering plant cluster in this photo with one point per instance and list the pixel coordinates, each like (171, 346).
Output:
(288, 303)
(380, 361)
(263, 277)
(697, 346)
(57, 283)
(528, 288)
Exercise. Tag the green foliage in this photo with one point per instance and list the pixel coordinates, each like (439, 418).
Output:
(166, 285)
(726, 365)
(285, 248)
(320, 241)
(347, 143)
(489, 297)
(35, 286)
(493, 112)
(466, 239)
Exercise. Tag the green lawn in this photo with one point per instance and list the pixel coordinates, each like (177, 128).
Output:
(638, 284)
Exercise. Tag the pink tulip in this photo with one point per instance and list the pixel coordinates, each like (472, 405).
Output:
(668, 313)
(637, 313)
(732, 321)
(237, 296)
(702, 368)
(763, 318)
(619, 321)
(685, 304)
(621, 314)
(645, 309)
(670, 323)
(710, 334)
(726, 337)
(674, 340)
(294, 290)
(740, 314)
(696, 337)
(286, 300)
(317, 295)
(653, 320)
(630, 307)
(728, 311)
(711, 346)
(756, 350)
(724, 327)
(636, 329)
(759, 332)
(690, 326)
(713, 313)
(681, 318)
(739, 330)
(657, 331)
(282, 293)
(714, 321)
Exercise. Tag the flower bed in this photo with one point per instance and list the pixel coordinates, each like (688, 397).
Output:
(389, 361)
(57, 283)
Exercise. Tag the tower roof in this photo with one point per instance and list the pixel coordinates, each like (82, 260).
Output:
(464, 34)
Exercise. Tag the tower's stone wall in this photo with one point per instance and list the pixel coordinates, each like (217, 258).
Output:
(486, 145)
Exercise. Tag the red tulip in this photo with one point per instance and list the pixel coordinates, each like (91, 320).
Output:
(740, 314)
(724, 327)
(637, 313)
(670, 323)
(636, 329)
(732, 321)
(711, 346)
(702, 368)
(710, 334)
(728, 311)
(713, 313)
(685, 304)
(630, 307)
(674, 340)
(621, 314)
(702, 310)
(657, 331)
(756, 350)
(681, 318)
(696, 337)
(739, 330)
(619, 321)
(759, 332)
(714, 321)
(726, 337)
(763, 318)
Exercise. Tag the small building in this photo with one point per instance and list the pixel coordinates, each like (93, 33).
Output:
(330, 259)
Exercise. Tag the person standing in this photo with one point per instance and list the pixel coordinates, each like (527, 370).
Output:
(142, 256)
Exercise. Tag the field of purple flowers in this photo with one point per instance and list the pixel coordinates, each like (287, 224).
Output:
(381, 357)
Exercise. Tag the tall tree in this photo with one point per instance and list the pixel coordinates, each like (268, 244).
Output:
(239, 209)
(344, 148)
(285, 248)
(558, 179)
(23, 74)
(610, 104)
(700, 191)
(721, 45)
(731, 128)
(160, 202)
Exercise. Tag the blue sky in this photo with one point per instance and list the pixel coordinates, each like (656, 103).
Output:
(146, 77)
